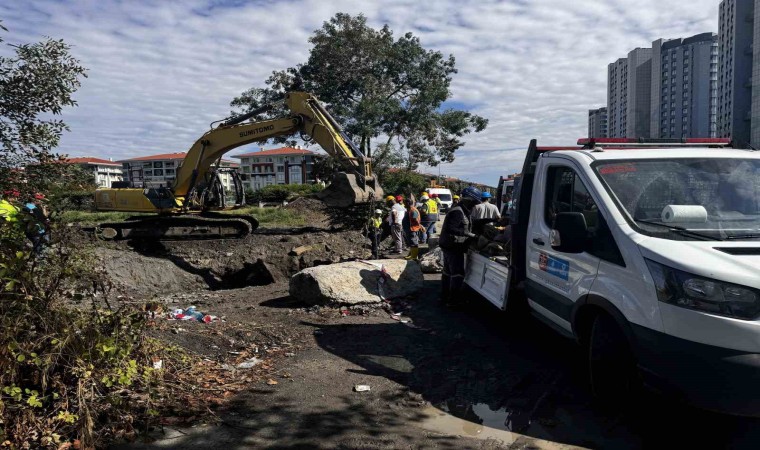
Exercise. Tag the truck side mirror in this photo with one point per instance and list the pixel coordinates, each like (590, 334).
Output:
(570, 233)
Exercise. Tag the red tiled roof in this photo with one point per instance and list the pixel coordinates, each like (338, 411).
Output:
(90, 160)
(164, 156)
(178, 155)
(277, 152)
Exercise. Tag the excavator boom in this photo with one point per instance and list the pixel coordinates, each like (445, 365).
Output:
(354, 184)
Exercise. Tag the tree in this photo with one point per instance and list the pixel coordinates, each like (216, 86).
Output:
(404, 182)
(36, 83)
(378, 88)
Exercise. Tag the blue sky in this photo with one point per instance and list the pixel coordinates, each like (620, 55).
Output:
(161, 71)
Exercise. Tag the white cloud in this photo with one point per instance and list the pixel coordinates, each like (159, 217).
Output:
(160, 72)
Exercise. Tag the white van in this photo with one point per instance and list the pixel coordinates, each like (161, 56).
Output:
(648, 255)
(444, 195)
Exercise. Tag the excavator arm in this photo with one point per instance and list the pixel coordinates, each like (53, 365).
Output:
(357, 184)
(177, 207)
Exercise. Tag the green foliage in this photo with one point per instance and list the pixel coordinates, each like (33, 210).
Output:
(389, 88)
(404, 182)
(36, 84)
(66, 371)
(282, 192)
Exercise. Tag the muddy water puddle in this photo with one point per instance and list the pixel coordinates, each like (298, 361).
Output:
(482, 422)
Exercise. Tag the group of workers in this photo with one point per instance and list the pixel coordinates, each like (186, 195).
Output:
(30, 215)
(408, 223)
(411, 223)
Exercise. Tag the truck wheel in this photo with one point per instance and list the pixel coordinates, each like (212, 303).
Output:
(612, 367)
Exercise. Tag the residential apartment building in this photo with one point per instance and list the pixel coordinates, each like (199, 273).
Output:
(286, 165)
(736, 19)
(617, 94)
(684, 87)
(597, 123)
(638, 97)
(161, 170)
(629, 82)
(104, 171)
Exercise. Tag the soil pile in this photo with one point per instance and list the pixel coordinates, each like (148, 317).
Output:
(313, 210)
(148, 268)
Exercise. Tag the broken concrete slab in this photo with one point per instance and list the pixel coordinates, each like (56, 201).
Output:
(357, 282)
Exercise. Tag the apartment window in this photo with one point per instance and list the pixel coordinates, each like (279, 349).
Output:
(269, 160)
(148, 165)
(148, 173)
(246, 169)
(158, 172)
(158, 165)
(169, 164)
(169, 171)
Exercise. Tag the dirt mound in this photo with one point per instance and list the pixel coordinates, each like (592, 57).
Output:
(144, 269)
(316, 213)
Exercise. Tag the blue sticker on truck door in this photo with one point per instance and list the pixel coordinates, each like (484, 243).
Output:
(554, 266)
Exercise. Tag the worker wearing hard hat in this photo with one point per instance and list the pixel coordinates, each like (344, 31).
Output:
(455, 234)
(455, 200)
(485, 209)
(429, 214)
(374, 231)
(395, 220)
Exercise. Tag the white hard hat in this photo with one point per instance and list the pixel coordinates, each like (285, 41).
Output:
(378, 211)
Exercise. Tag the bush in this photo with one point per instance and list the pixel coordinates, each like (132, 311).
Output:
(282, 192)
(75, 201)
(65, 371)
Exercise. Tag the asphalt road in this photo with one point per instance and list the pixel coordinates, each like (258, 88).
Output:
(464, 378)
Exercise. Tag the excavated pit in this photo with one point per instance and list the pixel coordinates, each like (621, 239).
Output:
(149, 268)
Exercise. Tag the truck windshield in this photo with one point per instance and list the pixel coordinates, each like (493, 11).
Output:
(445, 197)
(694, 199)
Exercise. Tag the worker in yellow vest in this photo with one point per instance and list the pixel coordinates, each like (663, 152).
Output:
(374, 231)
(429, 214)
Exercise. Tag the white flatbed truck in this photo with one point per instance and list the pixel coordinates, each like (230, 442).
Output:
(647, 253)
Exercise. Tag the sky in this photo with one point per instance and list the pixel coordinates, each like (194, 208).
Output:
(159, 72)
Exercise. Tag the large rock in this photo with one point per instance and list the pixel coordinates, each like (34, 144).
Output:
(357, 282)
(432, 261)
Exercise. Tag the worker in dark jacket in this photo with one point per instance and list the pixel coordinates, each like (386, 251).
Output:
(455, 233)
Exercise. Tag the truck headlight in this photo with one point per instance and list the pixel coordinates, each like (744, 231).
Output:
(703, 294)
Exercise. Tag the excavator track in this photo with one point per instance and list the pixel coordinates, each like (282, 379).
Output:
(186, 227)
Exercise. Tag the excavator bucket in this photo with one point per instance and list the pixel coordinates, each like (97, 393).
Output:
(345, 191)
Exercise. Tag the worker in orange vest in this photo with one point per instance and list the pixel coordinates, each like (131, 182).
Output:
(413, 229)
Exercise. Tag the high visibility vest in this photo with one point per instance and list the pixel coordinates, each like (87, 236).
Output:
(376, 222)
(8, 212)
(414, 219)
(432, 206)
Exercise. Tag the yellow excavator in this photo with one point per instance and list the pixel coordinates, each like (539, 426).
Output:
(189, 208)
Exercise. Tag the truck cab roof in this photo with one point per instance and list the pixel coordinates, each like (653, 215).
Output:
(602, 154)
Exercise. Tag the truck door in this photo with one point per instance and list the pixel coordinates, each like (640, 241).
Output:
(556, 280)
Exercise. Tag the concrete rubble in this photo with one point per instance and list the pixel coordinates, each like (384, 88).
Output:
(432, 261)
(357, 282)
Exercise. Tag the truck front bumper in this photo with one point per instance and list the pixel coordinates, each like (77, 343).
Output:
(709, 377)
